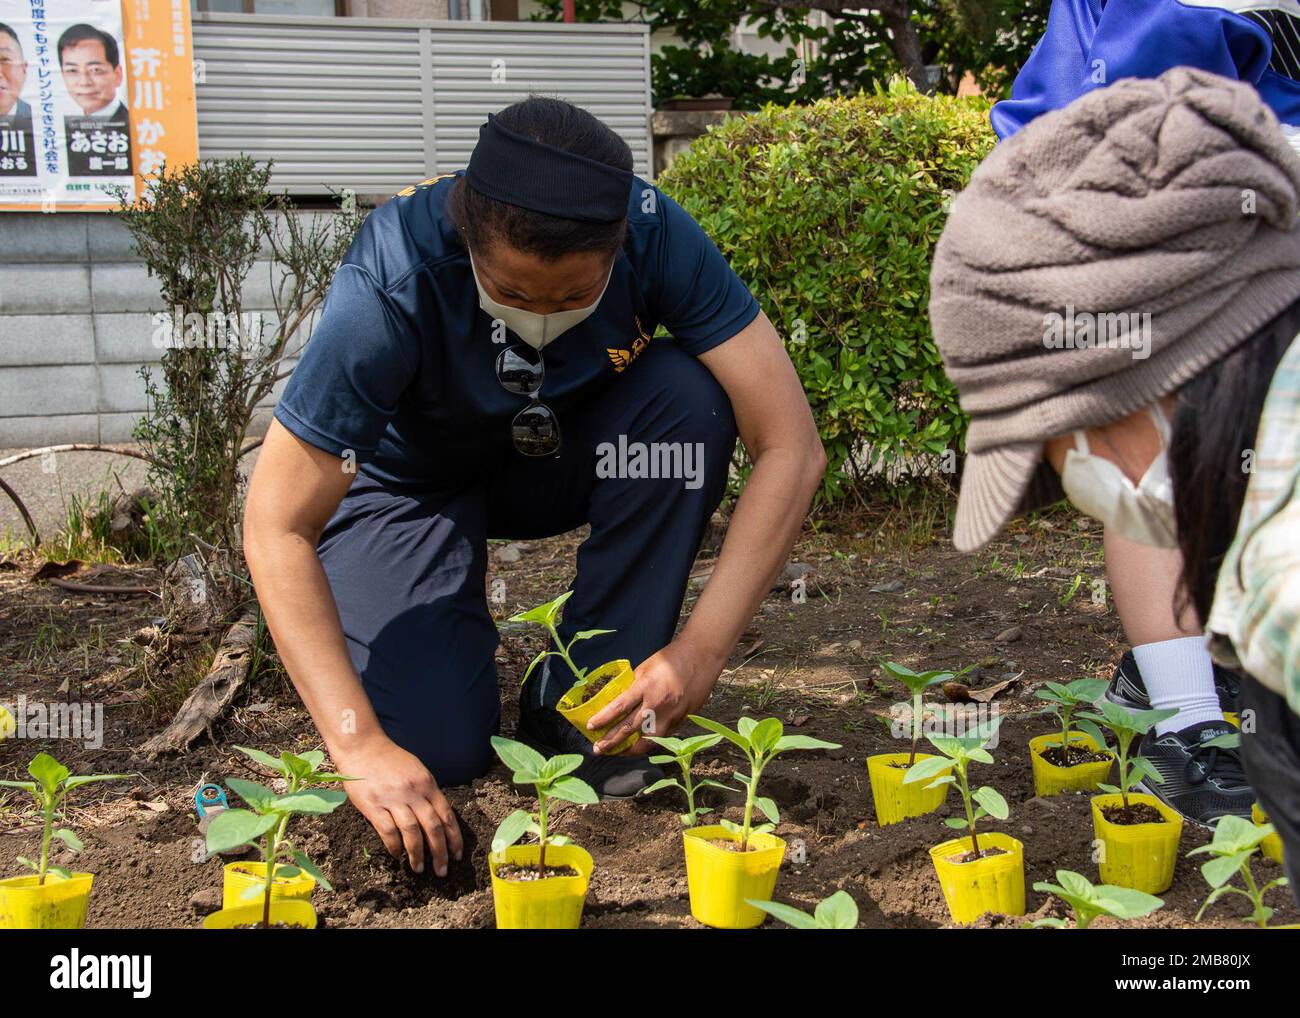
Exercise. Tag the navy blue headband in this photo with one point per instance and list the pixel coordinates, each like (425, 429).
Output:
(520, 171)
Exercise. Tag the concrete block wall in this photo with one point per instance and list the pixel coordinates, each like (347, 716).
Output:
(76, 325)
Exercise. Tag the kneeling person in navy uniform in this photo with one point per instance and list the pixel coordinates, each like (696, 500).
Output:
(487, 366)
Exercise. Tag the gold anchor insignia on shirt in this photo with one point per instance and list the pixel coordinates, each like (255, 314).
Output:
(406, 192)
(622, 358)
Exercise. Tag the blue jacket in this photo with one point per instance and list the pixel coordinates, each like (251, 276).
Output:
(1092, 43)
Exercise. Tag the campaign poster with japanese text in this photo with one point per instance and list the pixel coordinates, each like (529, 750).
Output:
(95, 95)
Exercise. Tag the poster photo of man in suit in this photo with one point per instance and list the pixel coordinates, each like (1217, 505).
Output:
(99, 138)
(17, 145)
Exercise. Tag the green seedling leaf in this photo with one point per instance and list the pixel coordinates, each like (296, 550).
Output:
(512, 828)
(768, 808)
(235, 828)
(544, 614)
(574, 790)
(788, 742)
(924, 770)
(662, 783)
(312, 870)
(991, 800)
(259, 797)
(722, 730)
(838, 912)
(316, 802)
(558, 766)
(48, 772)
(265, 759)
(69, 839)
(788, 914)
(517, 756)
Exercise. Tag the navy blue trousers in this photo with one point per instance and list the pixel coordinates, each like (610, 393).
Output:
(408, 568)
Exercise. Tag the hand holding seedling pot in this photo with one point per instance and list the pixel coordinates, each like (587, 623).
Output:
(1235, 841)
(1138, 833)
(1088, 900)
(894, 800)
(979, 873)
(286, 896)
(52, 899)
(729, 864)
(591, 692)
(682, 752)
(542, 886)
(1086, 763)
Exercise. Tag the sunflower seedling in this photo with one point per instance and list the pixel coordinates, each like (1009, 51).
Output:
(958, 753)
(551, 779)
(264, 823)
(1063, 699)
(917, 683)
(1234, 843)
(546, 615)
(1088, 900)
(682, 752)
(761, 742)
(1126, 726)
(50, 788)
(838, 912)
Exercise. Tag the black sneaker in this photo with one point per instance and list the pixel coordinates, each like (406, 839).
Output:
(1129, 691)
(1201, 782)
(612, 777)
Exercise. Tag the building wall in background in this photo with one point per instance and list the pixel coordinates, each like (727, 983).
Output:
(371, 106)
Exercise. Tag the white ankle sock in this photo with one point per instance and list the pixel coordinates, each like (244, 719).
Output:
(1179, 674)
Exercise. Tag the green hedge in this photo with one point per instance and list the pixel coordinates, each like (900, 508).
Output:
(830, 213)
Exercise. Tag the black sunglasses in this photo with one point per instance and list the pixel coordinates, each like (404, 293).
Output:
(535, 429)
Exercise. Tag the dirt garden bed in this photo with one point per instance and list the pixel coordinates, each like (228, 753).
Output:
(1022, 611)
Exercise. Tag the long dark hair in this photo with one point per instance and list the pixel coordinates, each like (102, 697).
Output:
(1216, 416)
(483, 221)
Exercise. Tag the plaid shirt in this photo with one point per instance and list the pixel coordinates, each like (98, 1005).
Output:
(1255, 619)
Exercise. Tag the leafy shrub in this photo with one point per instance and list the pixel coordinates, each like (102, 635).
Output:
(830, 213)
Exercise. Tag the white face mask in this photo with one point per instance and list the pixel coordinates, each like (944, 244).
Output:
(1142, 512)
(534, 329)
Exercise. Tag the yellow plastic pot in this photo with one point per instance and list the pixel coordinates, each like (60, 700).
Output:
(1140, 856)
(290, 911)
(719, 880)
(551, 904)
(1052, 780)
(239, 876)
(1272, 845)
(896, 801)
(7, 724)
(994, 884)
(58, 904)
(578, 713)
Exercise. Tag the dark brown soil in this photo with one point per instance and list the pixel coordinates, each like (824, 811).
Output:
(1072, 756)
(593, 688)
(814, 664)
(1132, 814)
(983, 853)
(524, 873)
(281, 925)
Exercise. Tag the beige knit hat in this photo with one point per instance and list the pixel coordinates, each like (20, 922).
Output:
(1099, 259)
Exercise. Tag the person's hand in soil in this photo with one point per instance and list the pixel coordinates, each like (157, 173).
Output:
(672, 683)
(403, 803)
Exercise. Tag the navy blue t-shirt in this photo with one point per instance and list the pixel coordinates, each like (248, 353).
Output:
(400, 370)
